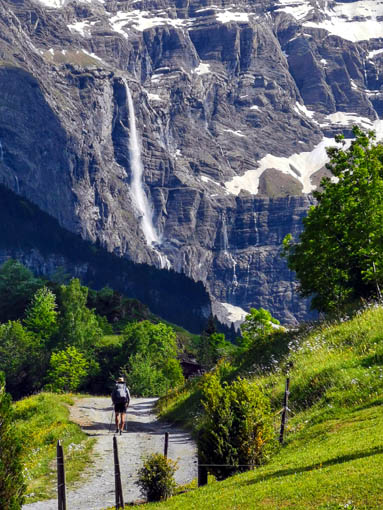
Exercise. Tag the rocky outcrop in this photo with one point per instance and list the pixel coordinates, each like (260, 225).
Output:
(234, 106)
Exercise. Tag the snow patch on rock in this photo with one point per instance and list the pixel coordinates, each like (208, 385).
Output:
(229, 16)
(373, 53)
(82, 27)
(154, 97)
(298, 8)
(301, 166)
(236, 133)
(141, 20)
(301, 108)
(93, 55)
(346, 118)
(58, 4)
(356, 21)
(227, 313)
(202, 69)
(353, 21)
(205, 178)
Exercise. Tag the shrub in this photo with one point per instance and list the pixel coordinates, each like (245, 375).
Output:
(156, 477)
(12, 485)
(237, 433)
(172, 370)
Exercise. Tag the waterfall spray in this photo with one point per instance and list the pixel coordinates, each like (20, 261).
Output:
(1, 152)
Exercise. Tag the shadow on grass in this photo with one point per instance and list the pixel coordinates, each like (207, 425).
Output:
(338, 460)
(374, 359)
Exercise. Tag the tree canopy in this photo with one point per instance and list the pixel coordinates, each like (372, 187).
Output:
(78, 325)
(41, 315)
(155, 340)
(151, 351)
(339, 256)
(17, 286)
(257, 326)
(68, 368)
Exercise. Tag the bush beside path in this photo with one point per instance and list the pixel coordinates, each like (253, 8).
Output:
(144, 434)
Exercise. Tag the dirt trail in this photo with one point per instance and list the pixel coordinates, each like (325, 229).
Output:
(145, 434)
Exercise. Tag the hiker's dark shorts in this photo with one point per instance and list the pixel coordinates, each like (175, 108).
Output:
(120, 408)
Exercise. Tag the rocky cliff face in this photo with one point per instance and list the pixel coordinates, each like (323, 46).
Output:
(35, 238)
(234, 105)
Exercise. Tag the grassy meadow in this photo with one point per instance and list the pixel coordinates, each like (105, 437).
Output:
(41, 420)
(333, 454)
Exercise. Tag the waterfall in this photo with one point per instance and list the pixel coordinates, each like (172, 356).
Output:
(224, 235)
(1, 152)
(140, 200)
(139, 197)
(228, 254)
(235, 282)
(17, 184)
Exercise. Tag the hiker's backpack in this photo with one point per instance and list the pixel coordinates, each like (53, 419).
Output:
(120, 394)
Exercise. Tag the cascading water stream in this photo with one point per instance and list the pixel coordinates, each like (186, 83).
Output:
(225, 238)
(139, 197)
(226, 251)
(1, 152)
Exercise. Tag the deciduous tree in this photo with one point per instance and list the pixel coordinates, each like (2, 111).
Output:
(158, 341)
(151, 351)
(21, 358)
(68, 369)
(339, 256)
(78, 324)
(41, 315)
(258, 325)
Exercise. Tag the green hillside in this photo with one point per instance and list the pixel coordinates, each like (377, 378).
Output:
(333, 454)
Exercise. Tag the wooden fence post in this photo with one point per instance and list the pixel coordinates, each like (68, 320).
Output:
(202, 473)
(117, 477)
(61, 496)
(285, 409)
(166, 445)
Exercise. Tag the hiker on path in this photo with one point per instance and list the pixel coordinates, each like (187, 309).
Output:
(120, 399)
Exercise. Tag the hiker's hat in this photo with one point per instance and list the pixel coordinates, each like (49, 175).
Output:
(120, 379)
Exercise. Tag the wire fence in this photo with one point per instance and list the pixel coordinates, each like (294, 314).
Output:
(203, 468)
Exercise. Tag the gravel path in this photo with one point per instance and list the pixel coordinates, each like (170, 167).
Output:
(145, 434)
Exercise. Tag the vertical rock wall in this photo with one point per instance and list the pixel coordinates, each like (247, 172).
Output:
(234, 105)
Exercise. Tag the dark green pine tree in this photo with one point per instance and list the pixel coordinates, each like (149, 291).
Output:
(12, 487)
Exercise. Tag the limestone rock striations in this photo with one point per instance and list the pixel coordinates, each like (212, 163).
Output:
(186, 134)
